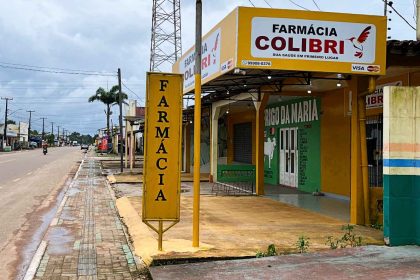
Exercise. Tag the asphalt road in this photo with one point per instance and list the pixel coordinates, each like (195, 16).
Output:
(30, 187)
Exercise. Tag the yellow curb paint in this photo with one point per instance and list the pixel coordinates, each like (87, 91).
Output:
(111, 179)
(145, 241)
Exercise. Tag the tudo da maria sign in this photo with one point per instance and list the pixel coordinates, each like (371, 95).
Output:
(162, 157)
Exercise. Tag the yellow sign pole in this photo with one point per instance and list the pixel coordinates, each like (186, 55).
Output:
(197, 126)
(162, 156)
(160, 233)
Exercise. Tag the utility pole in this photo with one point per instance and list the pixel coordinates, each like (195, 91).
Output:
(417, 20)
(5, 121)
(43, 127)
(385, 7)
(121, 121)
(30, 118)
(197, 124)
(52, 132)
(58, 135)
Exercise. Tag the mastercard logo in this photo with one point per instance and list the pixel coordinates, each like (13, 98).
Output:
(373, 68)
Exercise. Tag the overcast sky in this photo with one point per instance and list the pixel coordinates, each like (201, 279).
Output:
(103, 35)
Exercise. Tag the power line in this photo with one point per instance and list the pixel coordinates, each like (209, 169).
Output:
(296, 4)
(267, 3)
(55, 68)
(316, 4)
(26, 81)
(401, 16)
(55, 72)
(251, 3)
(141, 99)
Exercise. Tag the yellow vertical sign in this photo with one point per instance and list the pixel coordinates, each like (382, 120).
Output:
(162, 156)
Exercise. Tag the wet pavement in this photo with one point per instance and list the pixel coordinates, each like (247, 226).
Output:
(335, 207)
(370, 262)
(86, 239)
(31, 188)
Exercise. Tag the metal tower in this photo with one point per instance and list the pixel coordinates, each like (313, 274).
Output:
(165, 46)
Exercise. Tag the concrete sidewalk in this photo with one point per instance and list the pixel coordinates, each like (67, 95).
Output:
(86, 239)
(231, 227)
(370, 262)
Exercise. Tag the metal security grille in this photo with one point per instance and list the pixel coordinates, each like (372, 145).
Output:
(374, 134)
(242, 142)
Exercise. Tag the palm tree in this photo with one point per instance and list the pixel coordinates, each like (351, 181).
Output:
(109, 98)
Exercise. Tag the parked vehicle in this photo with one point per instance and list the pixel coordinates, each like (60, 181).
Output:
(33, 145)
(84, 147)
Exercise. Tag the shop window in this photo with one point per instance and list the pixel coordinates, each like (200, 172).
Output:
(374, 141)
(292, 141)
(281, 140)
(292, 163)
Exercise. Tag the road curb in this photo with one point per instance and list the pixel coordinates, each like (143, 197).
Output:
(30, 273)
(39, 254)
(138, 231)
(140, 263)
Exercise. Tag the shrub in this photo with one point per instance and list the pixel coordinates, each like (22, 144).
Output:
(302, 244)
(348, 239)
(271, 251)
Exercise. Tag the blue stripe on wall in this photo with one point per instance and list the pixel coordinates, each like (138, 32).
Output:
(402, 163)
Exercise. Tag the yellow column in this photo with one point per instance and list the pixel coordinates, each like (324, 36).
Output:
(357, 215)
(197, 124)
(214, 141)
(363, 158)
(259, 143)
(132, 154)
(188, 148)
(197, 145)
(126, 144)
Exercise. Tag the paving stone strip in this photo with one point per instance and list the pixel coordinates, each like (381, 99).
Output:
(88, 242)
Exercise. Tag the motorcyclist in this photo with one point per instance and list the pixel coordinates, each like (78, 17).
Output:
(44, 146)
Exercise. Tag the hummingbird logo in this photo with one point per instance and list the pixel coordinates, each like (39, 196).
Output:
(214, 49)
(358, 43)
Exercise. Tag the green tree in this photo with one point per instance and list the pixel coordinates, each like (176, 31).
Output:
(109, 98)
(75, 136)
(9, 121)
(81, 138)
(34, 132)
(50, 139)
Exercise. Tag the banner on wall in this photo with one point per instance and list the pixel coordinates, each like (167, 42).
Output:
(293, 113)
(311, 41)
(375, 100)
(210, 59)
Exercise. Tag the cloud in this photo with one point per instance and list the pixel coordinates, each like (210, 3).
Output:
(103, 35)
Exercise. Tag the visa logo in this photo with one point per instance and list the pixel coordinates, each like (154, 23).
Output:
(359, 68)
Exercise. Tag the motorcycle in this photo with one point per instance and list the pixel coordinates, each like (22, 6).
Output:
(44, 150)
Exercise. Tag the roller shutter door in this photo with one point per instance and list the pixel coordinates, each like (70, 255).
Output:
(242, 142)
